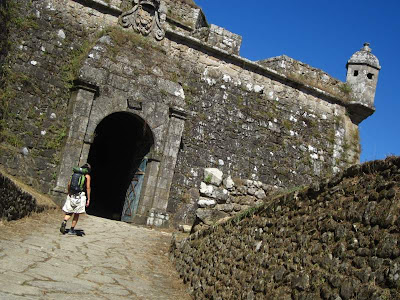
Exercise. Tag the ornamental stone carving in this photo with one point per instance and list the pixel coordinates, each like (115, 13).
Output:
(146, 16)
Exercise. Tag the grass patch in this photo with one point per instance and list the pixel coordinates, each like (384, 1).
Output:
(130, 39)
(345, 88)
(58, 135)
(11, 12)
(10, 138)
(71, 69)
(208, 179)
(120, 38)
(287, 124)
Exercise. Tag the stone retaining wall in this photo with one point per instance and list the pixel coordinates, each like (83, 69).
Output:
(337, 239)
(15, 203)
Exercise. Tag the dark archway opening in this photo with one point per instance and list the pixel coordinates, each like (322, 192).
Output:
(121, 141)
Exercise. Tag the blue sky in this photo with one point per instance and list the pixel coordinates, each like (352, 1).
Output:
(324, 34)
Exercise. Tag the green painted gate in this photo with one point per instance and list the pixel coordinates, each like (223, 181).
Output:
(133, 193)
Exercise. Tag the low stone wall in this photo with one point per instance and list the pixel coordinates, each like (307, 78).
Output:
(338, 239)
(15, 203)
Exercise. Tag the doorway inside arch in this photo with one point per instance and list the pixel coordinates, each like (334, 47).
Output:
(119, 147)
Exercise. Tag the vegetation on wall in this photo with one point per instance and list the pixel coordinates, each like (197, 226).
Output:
(120, 38)
(341, 91)
(345, 88)
(33, 97)
(128, 38)
(10, 11)
(11, 17)
(4, 16)
(71, 68)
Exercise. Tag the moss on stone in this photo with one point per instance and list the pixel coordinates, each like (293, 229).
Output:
(71, 67)
(128, 38)
(13, 9)
(287, 124)
(57, 136)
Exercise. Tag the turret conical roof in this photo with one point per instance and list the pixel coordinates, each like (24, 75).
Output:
(365, 57)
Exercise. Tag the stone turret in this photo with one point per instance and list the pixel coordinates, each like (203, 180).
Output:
(362, 76)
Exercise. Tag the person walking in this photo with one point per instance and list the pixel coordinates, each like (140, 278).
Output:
(78, 197)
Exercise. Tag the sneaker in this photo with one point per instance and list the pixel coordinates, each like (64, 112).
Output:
(72, 232)
(62, 228)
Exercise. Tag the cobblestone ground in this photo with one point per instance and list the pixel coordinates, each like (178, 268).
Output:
(111, 260)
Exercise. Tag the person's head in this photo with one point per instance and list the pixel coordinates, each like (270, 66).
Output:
(88, 167)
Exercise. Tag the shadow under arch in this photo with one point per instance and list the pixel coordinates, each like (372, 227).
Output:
(121, 141)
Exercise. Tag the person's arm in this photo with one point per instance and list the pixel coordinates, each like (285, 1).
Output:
(88, 190)
(69, 188)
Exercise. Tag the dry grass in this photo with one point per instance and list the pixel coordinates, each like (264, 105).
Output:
(22, 227)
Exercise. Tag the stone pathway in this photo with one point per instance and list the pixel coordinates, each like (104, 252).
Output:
(112, 260)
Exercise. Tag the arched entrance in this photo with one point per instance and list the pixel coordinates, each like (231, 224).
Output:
(121, 141)
(111, 134)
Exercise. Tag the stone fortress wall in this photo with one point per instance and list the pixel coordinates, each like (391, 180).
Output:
(206, 105)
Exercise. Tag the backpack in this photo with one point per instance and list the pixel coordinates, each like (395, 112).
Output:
(78, 180)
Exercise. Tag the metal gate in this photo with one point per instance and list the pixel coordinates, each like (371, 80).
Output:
(133, 193)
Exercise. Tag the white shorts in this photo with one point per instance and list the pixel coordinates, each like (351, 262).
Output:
(75, 204)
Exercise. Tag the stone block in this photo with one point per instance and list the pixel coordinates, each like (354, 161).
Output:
(221, 195)
(213, 176)
(185, 228)
(206, 202)
(207, 190)
(228, 183)
(93, 75)
(260, 194)
(225, 207)
(210, 216)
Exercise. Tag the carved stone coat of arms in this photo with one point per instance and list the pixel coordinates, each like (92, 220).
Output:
(146, 16)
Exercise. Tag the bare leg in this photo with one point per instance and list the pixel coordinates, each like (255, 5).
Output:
(67, 217)
(75, 220)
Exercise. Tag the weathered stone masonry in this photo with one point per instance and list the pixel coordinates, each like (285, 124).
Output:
(336, 239)
(16, 203)
(71, 66)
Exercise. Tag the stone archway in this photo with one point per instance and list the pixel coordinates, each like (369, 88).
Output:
(121, 141)
(164, 124)
(98, 94)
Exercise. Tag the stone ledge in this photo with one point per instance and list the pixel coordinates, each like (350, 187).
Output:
(101, 6)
